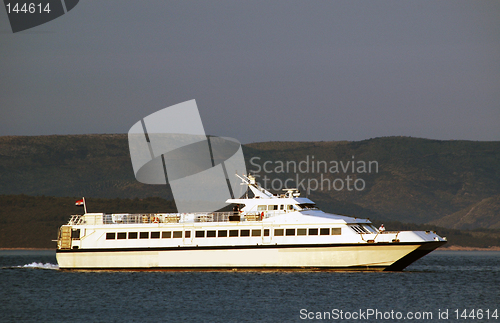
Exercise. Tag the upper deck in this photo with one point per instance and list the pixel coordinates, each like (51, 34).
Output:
(262, 207)
(265, 216)
(148, 218)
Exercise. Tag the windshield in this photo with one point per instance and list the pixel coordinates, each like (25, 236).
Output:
(308, 206)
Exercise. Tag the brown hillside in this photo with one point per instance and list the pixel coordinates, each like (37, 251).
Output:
(484, 214)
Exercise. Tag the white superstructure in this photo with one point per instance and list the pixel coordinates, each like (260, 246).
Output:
(263, 232)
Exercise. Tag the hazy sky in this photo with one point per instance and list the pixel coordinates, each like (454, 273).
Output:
(259, 70)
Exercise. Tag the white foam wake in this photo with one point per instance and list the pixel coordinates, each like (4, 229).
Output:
(39, 265)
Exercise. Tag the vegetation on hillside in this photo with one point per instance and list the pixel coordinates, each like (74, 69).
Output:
(418, 180)
(78, 165)
(32, 221)
(415, 180)
(484, 214)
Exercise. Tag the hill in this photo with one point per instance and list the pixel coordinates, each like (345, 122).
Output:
(403, 179)
(32, 221)
(485, 213)
(418, 180)
(77, 165)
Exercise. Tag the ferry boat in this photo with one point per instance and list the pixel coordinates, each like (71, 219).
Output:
(263, 232)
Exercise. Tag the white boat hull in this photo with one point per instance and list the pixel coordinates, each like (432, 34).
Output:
(393, 256)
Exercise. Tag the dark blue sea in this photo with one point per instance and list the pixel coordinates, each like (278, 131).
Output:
(444, 286)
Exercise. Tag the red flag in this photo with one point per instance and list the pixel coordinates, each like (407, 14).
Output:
(79, 203)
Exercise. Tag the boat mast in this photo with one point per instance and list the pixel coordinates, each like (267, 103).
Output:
(257, 190)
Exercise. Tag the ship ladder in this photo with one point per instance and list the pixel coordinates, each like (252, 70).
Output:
(65, 238)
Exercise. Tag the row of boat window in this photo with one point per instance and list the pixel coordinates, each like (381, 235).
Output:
(304, 206)
(222, 233)
(274, 207)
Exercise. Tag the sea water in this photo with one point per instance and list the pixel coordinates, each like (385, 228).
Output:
(444, 286)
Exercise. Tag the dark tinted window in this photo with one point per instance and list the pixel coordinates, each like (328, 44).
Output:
(301, 232)
(210, 233)
(166, 234)
(199, 234)
(155, 235)
(233, 233)
(313, 232)
(110, 236)
(290, 232)
(222, 233)
(187, 234)
(255, 233)
(278, 232)
(324, 231)
(177, 234)
(266, 232)
(75, 234)
(143, 235)
(245, 233)
(122, 235)
(132, 235)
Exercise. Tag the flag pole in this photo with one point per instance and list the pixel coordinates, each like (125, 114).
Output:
(84, 205)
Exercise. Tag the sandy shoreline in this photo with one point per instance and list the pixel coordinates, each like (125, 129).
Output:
(460, 248)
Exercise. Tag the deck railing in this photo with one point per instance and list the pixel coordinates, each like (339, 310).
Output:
(151, 218)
